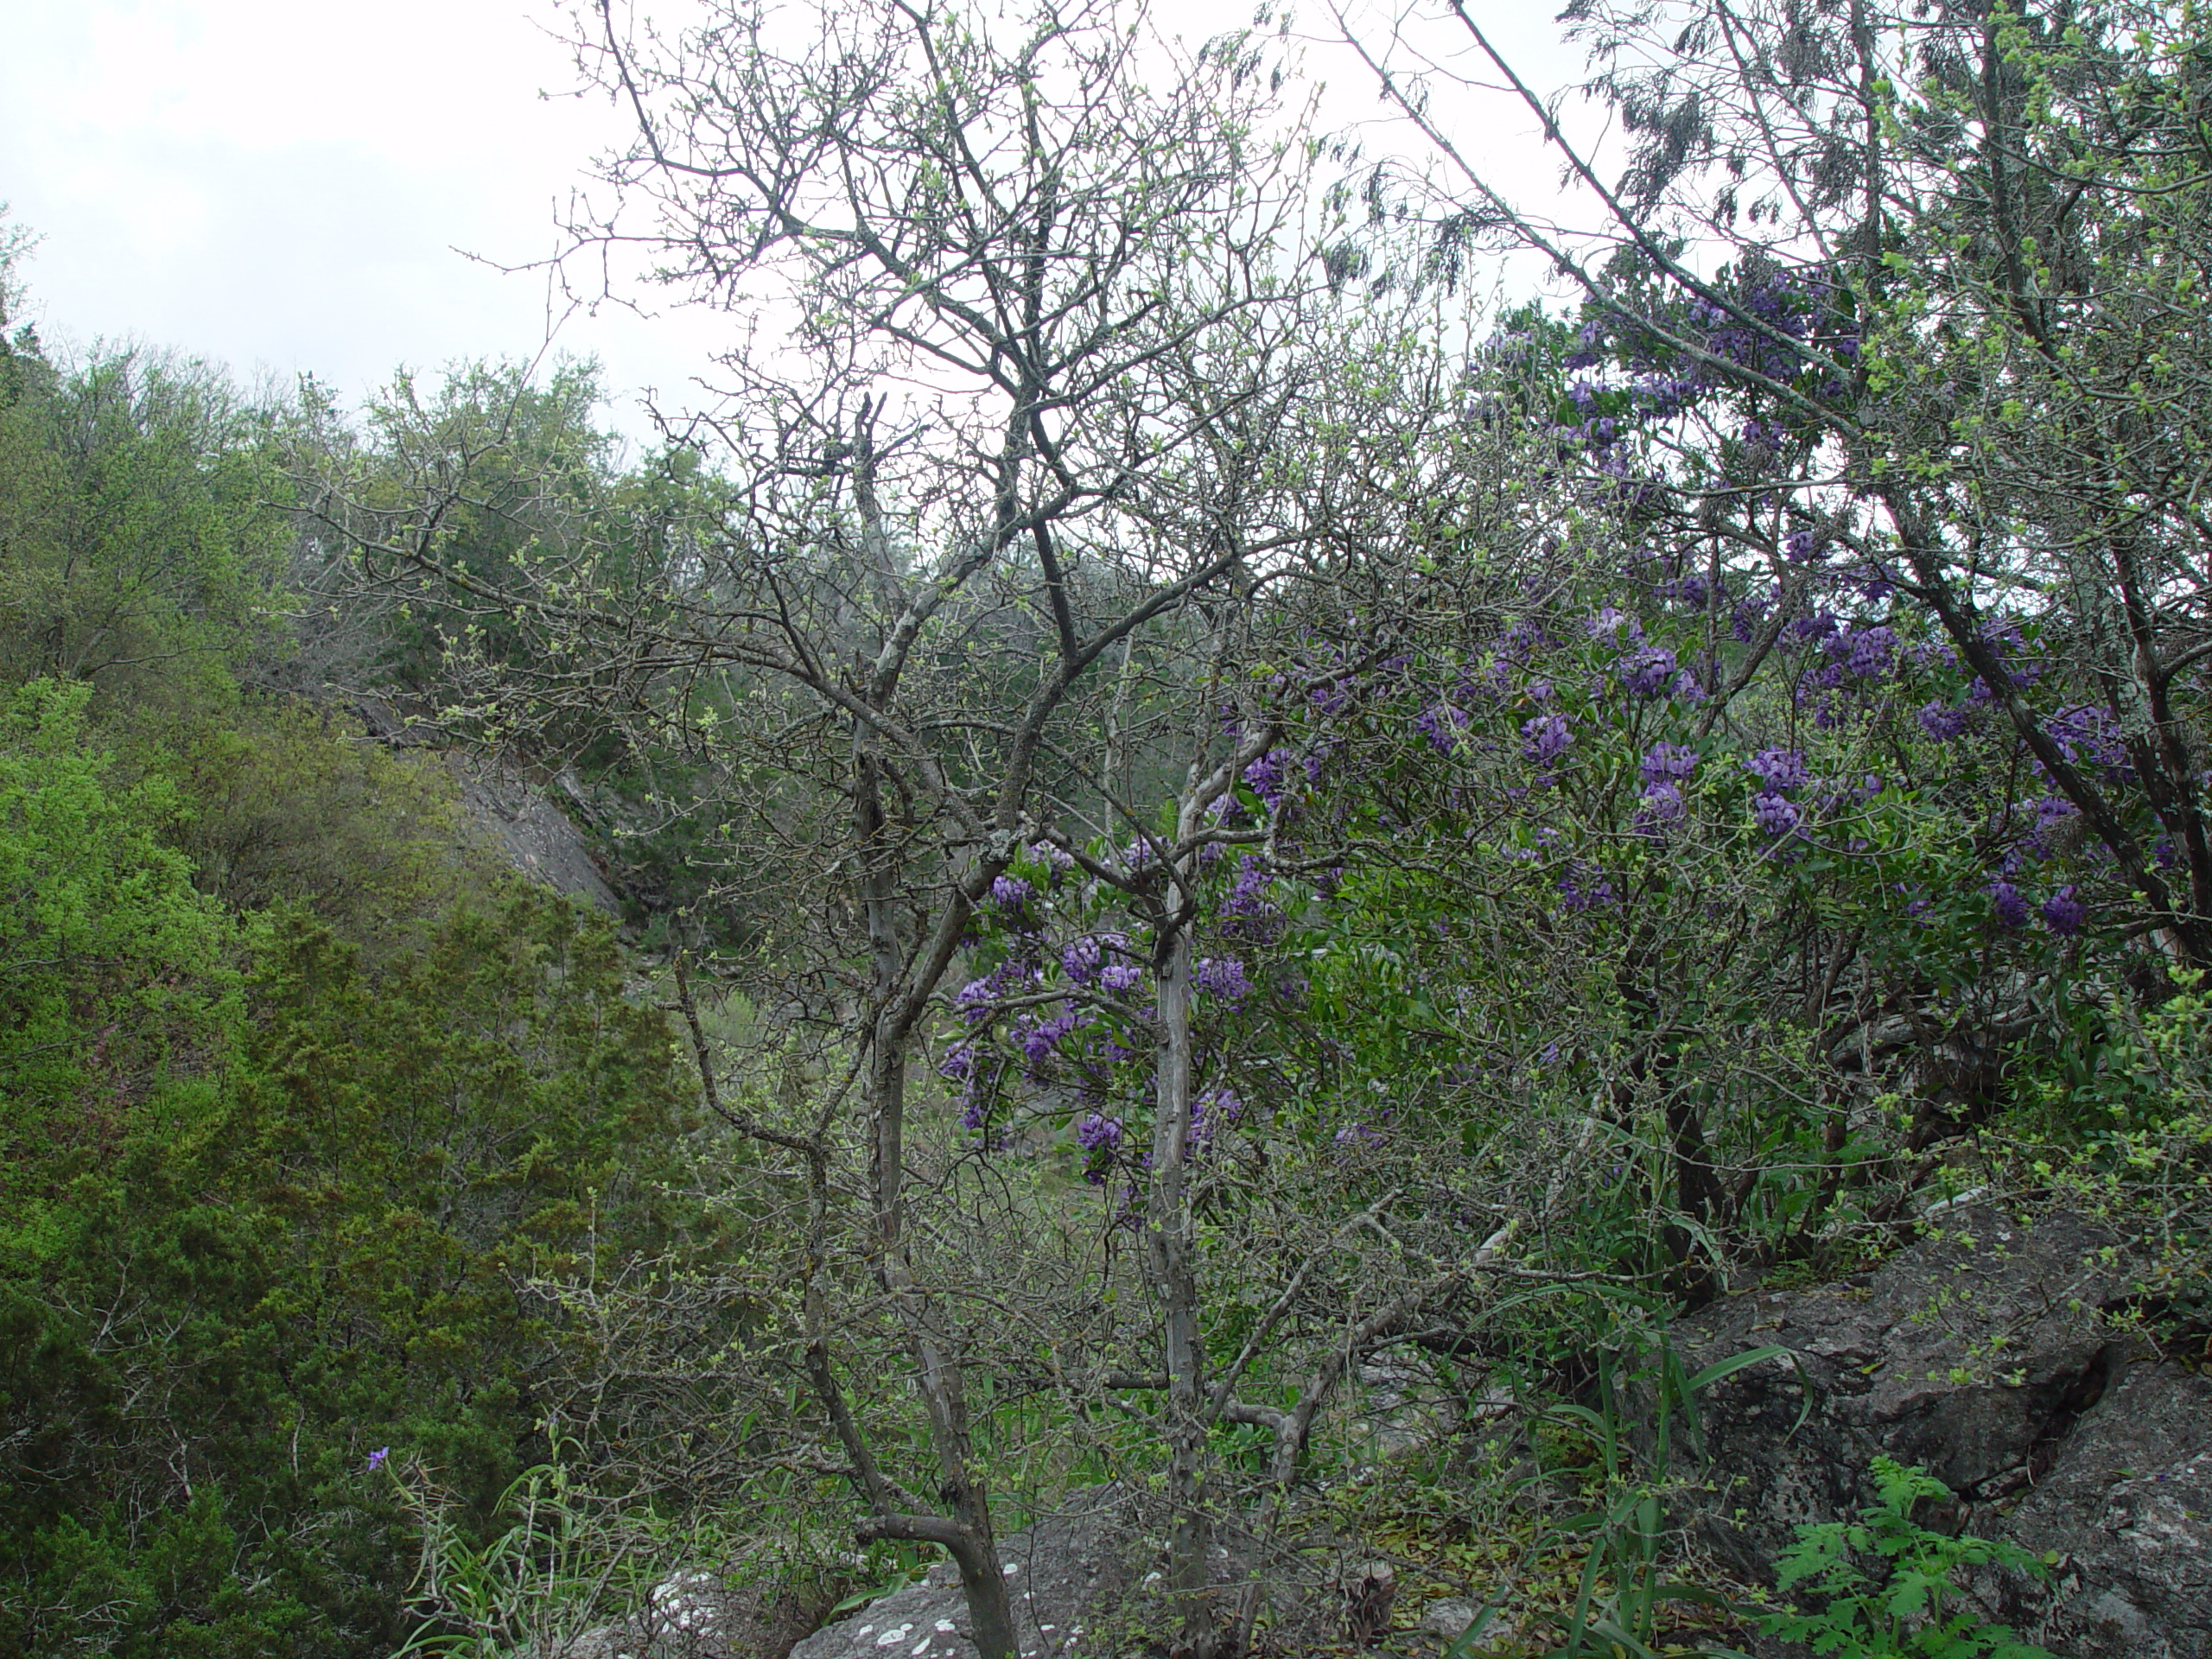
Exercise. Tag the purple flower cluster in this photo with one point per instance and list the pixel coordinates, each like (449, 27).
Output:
(2063, 913)
(1747, 616)
(2006, 904)
(2086, 732)
(1668, 763)
(1944, 721)
(1585, 887)
(1010, 897)
(1247, 912)
(1039, 1038)
(1546, 737)
(1221, 976)
(1356, 1136)
(1660, 805)
(1779, 769)
(1775, 814)
(1267, 776)
(1441, 724)
(1648, 672)
(1217, 1108)
(977, 1000)
(1862, 653)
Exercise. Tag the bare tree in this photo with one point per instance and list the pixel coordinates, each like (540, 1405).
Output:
(1037, 315)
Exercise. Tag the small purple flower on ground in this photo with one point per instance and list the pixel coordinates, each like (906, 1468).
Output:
(377, 1457)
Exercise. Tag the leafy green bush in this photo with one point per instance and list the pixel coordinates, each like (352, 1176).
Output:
(1905, 1606)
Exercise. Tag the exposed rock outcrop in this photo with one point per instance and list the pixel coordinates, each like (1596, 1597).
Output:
(512, 817)
(1064, 1571)
(1979, 1354)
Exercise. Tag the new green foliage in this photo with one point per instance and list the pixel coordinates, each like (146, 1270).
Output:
(1888, 1585)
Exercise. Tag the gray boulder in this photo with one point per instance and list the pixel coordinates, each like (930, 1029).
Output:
(1979, 1354)
(2127, 1507)
(510, 817)
(1062, 1574)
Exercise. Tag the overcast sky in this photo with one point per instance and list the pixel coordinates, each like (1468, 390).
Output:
(294, 185)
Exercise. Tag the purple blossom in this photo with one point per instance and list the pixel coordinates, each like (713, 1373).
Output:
(1585, 887)
(1117, 977)
(1009, 894)
(1084, 957)
(1616, 625)
(1779, 769)
(1441, 724)
(1217, 1106)
(1518, 642)
(1248, 913)
(1668, 763)
(1800, 546)
(1748, 614)
(1040, 1038)
(1332, 696)
(974, 1002)
(1660, 803)
(1647, 672)
(1094, 1132)
(1863, 653)
(1819, 625)
(2084, 731)
(1590, 342)
(1222, 976)
(2063, 913)
(1265, 777)
(1546, 737)
(2006, 904)
(377, 1457)
(1942, 721)
(1777, 815)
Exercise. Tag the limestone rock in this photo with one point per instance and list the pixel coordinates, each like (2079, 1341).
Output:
(1062, 1571)
(1980, 1355)
(513, 817)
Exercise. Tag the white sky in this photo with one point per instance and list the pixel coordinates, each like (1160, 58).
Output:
(283, 185)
